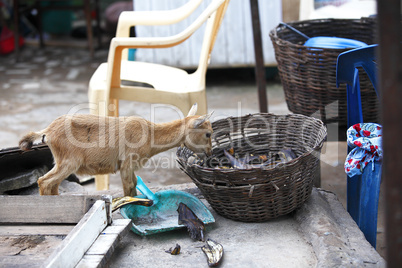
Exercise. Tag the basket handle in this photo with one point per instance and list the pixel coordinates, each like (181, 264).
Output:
(294, 29)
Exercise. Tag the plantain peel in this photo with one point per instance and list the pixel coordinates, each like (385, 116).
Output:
(174, 251)
(118, 202)
(214, 252)
(194, 225)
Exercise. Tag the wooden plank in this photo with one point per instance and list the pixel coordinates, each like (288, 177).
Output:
(109, 238)
(91, 261)
(119, 226)
(45, 209)
(104, 245)
(42, 209)
(102, 249)
(77, 242)
(11, 230)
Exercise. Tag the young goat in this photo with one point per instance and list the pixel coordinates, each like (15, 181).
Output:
(90, 145)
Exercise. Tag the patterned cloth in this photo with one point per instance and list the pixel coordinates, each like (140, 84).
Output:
(365, 139)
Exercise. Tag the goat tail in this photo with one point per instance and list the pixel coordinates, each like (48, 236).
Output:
(26, 142)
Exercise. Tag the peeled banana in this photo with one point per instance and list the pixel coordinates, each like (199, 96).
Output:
(213, 251)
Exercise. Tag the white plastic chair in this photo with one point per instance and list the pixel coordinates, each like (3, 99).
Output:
(170, 85)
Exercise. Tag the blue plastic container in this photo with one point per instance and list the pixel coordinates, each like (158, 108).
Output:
(333, 42)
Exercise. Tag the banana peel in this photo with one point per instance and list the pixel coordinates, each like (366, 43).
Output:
(194, 225)
(213, 251)
(118, 202)
(174, 251)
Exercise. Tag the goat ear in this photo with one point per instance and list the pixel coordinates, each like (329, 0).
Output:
(200, 120)
(193, 110)
(209, 115)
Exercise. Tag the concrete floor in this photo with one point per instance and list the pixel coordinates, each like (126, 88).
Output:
(47, 83)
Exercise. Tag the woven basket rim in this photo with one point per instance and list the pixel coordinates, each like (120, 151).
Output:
(274, 33)
(215, 186)
(279, 165)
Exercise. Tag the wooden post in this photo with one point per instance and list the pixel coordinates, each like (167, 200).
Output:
(390, 71)
(259, 57)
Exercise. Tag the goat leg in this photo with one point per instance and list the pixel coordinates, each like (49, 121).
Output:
(49, 183)
(129, 181)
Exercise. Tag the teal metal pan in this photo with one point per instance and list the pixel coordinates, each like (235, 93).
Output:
(162, 216)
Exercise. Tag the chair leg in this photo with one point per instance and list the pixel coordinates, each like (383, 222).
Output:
(102, 182)
(113, 109)
(97, 101)
(369, 197)
(353, 197)
(363, 194)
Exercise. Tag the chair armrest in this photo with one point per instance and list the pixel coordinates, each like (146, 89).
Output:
(128, 19)
(147, 42)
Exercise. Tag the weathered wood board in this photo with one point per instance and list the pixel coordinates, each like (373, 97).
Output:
(102, 249)
(31, 209)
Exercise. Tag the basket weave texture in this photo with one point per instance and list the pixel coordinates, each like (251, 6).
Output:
(308, 74)
(256, 194)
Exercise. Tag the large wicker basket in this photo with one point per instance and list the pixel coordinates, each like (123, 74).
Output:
(309, 75)
(255, 194)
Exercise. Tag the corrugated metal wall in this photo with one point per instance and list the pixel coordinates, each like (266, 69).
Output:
(234, 44)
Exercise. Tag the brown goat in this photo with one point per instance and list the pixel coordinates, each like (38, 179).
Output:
(91, 145)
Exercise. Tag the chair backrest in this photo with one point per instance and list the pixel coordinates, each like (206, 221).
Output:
(213, 14)
(360, 57)
(347, 72)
